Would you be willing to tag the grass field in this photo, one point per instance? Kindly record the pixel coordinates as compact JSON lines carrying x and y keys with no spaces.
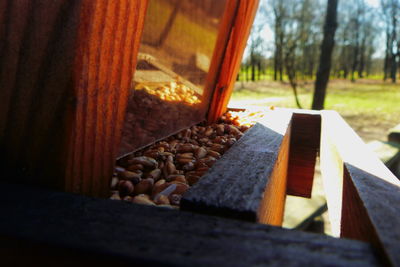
{"x":371,"y":107}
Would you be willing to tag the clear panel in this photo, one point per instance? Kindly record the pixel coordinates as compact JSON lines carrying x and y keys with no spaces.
{"x":177,"y":45}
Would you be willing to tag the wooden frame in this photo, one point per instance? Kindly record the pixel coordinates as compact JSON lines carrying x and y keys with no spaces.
{"x":368,"y":192}
{"x":77,"y":230}
{"x":274,"y":158}
{"x":66,"y":68}
{"x":234,"y":50}
{"x":362,"y":194}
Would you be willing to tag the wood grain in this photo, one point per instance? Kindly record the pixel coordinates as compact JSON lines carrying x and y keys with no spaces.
{"x":232,"y":58}
{"x":66,"y":67}
{"x":304,"y":148}
{"x":370,"y":192}
{"x":249,"y":181}
{"x":64,"y":229}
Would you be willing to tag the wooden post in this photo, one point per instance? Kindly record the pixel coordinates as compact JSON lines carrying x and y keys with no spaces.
{"x":304,"y":146}
{"x":229,"y":69}
{"x":66,"y":69}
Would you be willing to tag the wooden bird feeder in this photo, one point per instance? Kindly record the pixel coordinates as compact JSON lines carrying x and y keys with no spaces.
{"x":84,"y":83}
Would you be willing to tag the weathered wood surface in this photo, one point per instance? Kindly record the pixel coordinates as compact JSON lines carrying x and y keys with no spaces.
{"x":370,"y":209}
{"x":233,"y":52}
{"x":304,"y":147}
{"x":65,"y":71}
{"x":249,"y":181}
{"x":62,"y":229}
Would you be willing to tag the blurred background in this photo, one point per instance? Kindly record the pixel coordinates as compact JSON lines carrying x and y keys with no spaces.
{"x":283,"y":52}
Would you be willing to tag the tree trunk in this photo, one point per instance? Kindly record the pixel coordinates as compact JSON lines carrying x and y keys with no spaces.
{"x":361,"y":66}
{"x":276,"y":67}
{"x":253,"y":67}
{"x":328,"y":43}
{"x":168,"y":26}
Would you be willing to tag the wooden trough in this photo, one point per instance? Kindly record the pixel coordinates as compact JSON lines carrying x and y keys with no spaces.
{"x":65,"y":83}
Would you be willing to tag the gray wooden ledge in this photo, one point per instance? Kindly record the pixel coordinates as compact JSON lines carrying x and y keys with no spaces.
{"x":48,"y":228}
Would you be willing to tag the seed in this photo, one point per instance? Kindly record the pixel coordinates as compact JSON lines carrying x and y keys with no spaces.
{"x":125,"y":187}
{"x":167,"y":191}
{"x":230,"y":142}
{"x":200,"y":153}
{"x":220,"y":140}
{"x":209,"y":132}
{"x":119,"y":169}
{"x":170,"y":158}
{"x":185,"y":155}
{"x":169,"y":168}
{"x":140,"y":199}
{"x":204,"y":140}
{"x":144,"y":186}
{"x":159,"y":182}
{"x":173,"y":177}
{"x":114,"y":182}
{"x":162,"y":200}
{"x":220,"y":129}
{"x":173,"y":144}
{"x":159,"y":188}
{"x":218,"y":147}
{"x":202,"y":169}
{"x":127,"y":198}
{"x":180,"y":178}
{"x":188,"y":166}
{"x":214,"y":154}
{"x":233,"y":130}
{"x":184,"y":160}
{"x":180,"y":187}
{"x":115,"y":195}
{"x":145,"y":161}
{"x":192,"y":179}
{"x":155,"y":174}
{"x":127,"y":175}
{"x":185,"y":148}
{"x":152,"y":154}
{"x":145,"y":196}
{"x":135,"y":167}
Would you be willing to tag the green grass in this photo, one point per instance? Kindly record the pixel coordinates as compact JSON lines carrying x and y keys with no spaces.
{"x":370,"y":106}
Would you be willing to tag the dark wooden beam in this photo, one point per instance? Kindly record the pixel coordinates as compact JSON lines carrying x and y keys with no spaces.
{"x":65,"y":71}
{"x":249,"y":181}
{"x":362,"y":194}
{"x":51,"y":228}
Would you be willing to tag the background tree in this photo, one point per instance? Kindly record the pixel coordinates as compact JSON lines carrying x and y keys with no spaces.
{"x":328,"y":42}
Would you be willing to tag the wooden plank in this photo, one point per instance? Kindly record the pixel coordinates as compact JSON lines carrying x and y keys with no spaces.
{"x":249,"y":181}
{"x":304,"y":147}
{"x":232,"y":58}
{"x":218,"y":57}
{"x":66,"y":68}
{"x":371,"y":193}
{"x":64,"y":229}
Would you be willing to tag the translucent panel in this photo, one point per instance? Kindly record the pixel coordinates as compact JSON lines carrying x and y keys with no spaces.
{"x":176,"y":50}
